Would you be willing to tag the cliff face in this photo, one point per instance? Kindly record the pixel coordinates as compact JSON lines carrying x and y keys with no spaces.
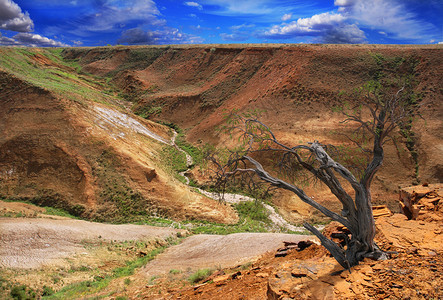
{"x":52,"y":116}
{"x":295,"y":86}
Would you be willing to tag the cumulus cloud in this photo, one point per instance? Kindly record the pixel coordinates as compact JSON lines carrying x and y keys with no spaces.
{"x":194,"y":4}
{"x":5,"y":41}
{"x":344,"y":34}
{"x":326,"y":27}
{"x":286,"y":17}
{"x":314,"y":25}
{"x":30,"y":40}
{"x":36,"y":40}
{"x":12,"y":17}
{"x":138,"y":36}
{"x":344,"y":2}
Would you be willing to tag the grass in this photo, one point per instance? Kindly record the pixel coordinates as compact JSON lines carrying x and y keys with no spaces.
{"x":253,"y":217}
{"x":200,"y":275}
{"x":63,"y":77}
{"x":58,"y":212}
{"x":42,"y":199}
{"x":118,"y":202}
{"x":175,"y":160}
{"x":100,"y":282}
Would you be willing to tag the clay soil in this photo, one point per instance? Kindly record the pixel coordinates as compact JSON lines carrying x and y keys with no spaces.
{"x":414,"y":271}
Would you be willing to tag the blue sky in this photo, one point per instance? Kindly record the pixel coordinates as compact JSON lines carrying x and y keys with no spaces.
{"x":141,"y":22}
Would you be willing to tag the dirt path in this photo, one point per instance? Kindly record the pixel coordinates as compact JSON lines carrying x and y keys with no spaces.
{"x":218,"y":251}
{"x":34,"y":242}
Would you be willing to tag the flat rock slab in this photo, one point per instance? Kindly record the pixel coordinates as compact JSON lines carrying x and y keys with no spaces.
{"x":215,"y":251}
{"x":34,"y":242}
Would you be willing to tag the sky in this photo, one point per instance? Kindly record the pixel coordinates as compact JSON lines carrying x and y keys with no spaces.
{"x":61,"y":23}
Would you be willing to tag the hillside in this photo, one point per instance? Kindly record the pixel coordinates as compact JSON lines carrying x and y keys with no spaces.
{"x":115,"y":135}
{"x":67,"y":141}
{"x":296,"y":87}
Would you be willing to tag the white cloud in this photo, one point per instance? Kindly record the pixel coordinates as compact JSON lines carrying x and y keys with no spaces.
{"x":326,"y":27}
{"x":194,"y":4}
{"x":259,"y":10}
{"x":234,"y":7}
{"x":138,"y":36}
{"x":235,"y":37}
{"x":5,"y":41}
{"x":12,"y":18}
{"x":314,"y":25}
{"x":344,"y":34}
{"x":113,"y":13}
{"x":30,"y":40}
{"x":389,"y":16}
{"x":142,"y":18}
{"x":242,"y":26}
{"x":36,"y":40}
{"x":344,"y":2}
{"x":286,"y":17}
{"x":238,"y":33}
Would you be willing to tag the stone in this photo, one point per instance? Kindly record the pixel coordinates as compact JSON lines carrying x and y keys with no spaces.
{"x":262,"y":275}
{"x":298,"y":273}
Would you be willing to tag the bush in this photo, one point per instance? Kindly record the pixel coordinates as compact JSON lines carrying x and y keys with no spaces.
{"x":200,"y":275}
{"x":47,"y":291}
{"x":253,"y":210}
{"x":22,"y":292}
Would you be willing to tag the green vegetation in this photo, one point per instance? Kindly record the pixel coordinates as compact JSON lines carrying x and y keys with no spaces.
{"x":253,"y":217}
{"x":52,"y":202}
{"x":100,"y":282}
{"x":23,"y":292}
{"x":200,"y":275}
{"x":58,"y":212}
{"x":196,"y":153}
{"x":253,"y":211}
{"x":119,"y":203}
{"x":45,"y":68}
{"x":147,"y":112}
{"x":394,"y":72}
{"x":138,"y":59}
{"x":175,"y":160}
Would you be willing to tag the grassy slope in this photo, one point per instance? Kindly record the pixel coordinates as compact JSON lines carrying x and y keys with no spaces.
{"x":46,"y":68}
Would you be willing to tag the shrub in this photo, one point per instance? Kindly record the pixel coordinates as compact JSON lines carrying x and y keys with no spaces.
{"x":200,"y":275}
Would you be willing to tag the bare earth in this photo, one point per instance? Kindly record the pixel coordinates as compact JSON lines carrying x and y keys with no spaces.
{"x":215,"y":251}
{"x":32,"y":243}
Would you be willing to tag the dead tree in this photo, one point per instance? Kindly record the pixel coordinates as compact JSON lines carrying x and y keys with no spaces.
{"x":378,"y":110}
